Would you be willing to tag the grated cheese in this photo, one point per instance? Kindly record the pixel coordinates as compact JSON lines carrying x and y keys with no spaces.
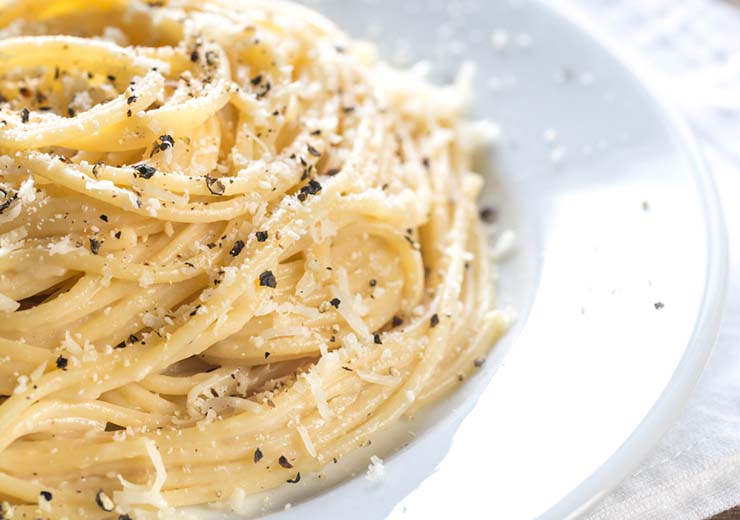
{"x":303,"y":432}
{"x":308,"y":312}
{"x":27,"y":191}
{"x":153,"y":206}
{"x":12,"y":240}
{"x":135,"y":494}
{"x":146,"y":279}
{"x":70,"y":344}
{"x":22,"y":385}
{"x":318,"y":393}
{"x":150,"y":320}
{"x":504,"y":245}
{"x":375,"y":470}
{"x":106,"y":185}
{"x":8,"y":304}
{"x":347,"y":310}
{"x":62,"y":247}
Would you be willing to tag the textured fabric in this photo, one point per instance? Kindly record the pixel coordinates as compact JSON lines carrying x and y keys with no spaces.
{"x":693,"y":46}
{"x":732,"y":514}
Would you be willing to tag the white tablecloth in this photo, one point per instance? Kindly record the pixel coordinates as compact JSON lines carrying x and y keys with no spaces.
{"x":694,"y":49}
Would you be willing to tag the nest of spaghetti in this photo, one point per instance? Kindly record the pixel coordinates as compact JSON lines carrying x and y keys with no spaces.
{"x":233,"y":248}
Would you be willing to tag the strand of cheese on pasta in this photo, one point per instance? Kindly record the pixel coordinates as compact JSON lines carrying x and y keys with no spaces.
{"x":230,"y":243}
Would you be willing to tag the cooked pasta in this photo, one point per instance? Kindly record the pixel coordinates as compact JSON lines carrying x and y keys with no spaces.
{"x":232,"y":243}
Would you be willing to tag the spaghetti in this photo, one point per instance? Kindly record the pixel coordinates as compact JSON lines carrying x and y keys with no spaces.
{"x":231,"y":243}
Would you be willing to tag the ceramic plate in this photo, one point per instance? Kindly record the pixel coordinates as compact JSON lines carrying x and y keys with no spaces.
{"x":616,"y":277}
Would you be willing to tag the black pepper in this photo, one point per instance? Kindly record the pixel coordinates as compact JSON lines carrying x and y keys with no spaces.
{"x":376,"y":339}
{"x":257,"y":455}
{"x":25,"y":115}
{"x":265,"y":90}
{"x":166,"y":142}
{"x":267,"y":279}
{"x":104,"y":502}
{"x":46,"y":495}
{"x":7,"y":202}
{"x":238,"y":246}
{"x":215,"y":186}
{"x":312,"y":188}
{"x":434,"y":320}
{"x":144,"y":171}
{"x":284,"y":462}
{"x":313,"y":151}
{"x":62,"y":362}
{"x":261,"y":236}
{"x":396,"y":321}
{"x":295,"y":480}
{"x":94,"y":246}
{"x":335,"y":302}
{"x":488,"y":215}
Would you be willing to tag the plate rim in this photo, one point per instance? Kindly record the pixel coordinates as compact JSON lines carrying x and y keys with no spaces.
{"x":673,"y":398}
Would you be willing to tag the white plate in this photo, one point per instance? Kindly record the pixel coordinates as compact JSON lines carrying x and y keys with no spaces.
{"x":593,"y":372}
